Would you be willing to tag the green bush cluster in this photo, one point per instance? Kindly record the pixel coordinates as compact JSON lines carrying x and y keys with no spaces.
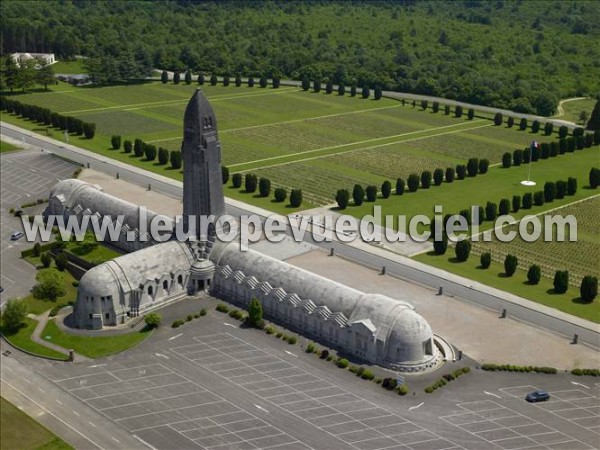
{"x":514,"y":368}
{"x":236,"y":314}
{"x":589,"y":372}
{"x":222,"y":307}
{"x":342,"y":363}
{"x":177,"y":323}
{"x":252,"y":182}
{"x":311,"y":348}
{"x":446,"y":379}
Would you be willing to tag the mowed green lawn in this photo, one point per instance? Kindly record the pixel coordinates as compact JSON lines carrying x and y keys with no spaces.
{"x":298,"y":139}
{"x":5,"y":147}
{"x":93,"y":346}
{"x":517,"y":284}
{"x":572,"y":109}
{"x":20,"y":431}
{"x":22,"y":339}
{"x":498,"y":183}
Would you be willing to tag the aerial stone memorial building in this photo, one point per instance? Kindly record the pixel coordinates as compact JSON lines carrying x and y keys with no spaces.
{"x":373,"y":327}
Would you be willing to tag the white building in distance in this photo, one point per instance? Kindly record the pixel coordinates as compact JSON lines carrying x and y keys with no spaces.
{"x":48,"y":58}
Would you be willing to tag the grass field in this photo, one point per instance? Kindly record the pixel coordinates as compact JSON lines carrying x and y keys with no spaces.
{"x":39,"y":306}
{"x":285,"y":133}
{"x":20,"y":431}
{"x":572,"y":109}
{"x":93,"y":346}
{"x":579,"y":258}
{"x":22,"y":339}
{"x":70,"y":67}
{"x":517,"y":284}
{"x":5,"y":147}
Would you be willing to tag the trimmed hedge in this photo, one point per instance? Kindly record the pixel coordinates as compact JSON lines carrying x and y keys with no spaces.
{"x":512,"y":368}
{"x":446,"y":379}
{"x":588,"y":372}
{"x":222,"y":307}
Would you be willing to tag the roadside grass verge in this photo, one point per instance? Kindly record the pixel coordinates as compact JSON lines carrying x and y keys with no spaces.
{"x":21,"y":431}
{"x":93,"y":346}
{"x":22,"y":340}
{"x":5,"y":147}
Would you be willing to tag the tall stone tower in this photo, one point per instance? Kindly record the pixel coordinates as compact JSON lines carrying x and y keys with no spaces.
{"x":201,"y":153}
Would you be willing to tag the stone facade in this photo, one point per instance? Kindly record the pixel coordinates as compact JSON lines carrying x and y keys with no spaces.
{"x":77,"y":198}
{"x":371,"y":327}
{"x":201,"y":153}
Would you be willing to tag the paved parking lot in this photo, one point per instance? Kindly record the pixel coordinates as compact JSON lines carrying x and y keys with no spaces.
{"x":580,"y":406}
{"x":504,"y":427}
{"x":211,"y":386}
{"x":170,"y":410}
{"x":29,"y":174}
{"x":24,"y":176}
{"x":355,"y":420}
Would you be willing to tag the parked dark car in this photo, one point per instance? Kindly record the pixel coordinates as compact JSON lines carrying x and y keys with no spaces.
{"x":537,"y":396}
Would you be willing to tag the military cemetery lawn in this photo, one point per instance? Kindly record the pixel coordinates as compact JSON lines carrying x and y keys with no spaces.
{"x":23,"y":432}
{"x":580,"y":258}
{"x":498,"y":183}
{"x":93,"y":346}
{"x":314,"y":141}
{"x":517,"y":284}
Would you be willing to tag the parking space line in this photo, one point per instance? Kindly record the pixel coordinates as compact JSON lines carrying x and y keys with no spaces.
{"x":216,"y":345}
{"x":151,"y":400}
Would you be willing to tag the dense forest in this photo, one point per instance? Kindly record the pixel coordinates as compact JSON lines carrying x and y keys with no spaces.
{"x":522,"y":55}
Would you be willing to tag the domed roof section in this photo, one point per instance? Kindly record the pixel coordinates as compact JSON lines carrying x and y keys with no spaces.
{"x":202,"y":267}
{"x":98,"y":281}
{"x":408,"y":328}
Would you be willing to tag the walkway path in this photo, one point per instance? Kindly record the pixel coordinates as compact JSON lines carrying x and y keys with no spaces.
{"x":559,"y":109}
{"x":36,"y":337}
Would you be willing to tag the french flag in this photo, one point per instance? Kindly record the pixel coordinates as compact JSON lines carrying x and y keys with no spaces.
{"x":534,"y":144}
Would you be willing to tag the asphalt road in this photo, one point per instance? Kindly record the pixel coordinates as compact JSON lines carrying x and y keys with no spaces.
{"x":43,"y":400}
{"x":456,"y":289}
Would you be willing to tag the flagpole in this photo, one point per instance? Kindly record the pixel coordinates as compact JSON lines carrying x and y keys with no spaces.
{"x":529,"y":168}
{"x":534,"y":145}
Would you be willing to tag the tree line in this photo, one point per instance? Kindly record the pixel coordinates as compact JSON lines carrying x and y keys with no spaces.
{"x":534,"y":53}
{"x":48,"y":117}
